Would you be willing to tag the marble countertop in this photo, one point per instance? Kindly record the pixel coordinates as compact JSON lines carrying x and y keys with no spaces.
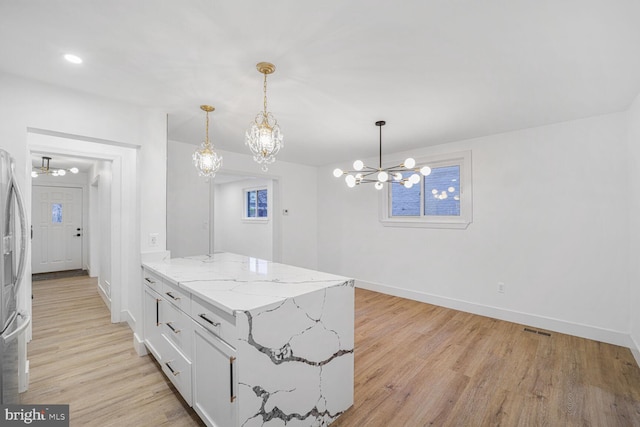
{"x":234,"y":282}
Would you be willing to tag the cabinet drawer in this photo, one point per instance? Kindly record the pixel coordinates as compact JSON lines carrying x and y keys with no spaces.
{"x":176,"y":296}
{"x":177,"y":326}
{"x":215,"y":320}
{"x":178,"y":369}
{"x":152,"y":280}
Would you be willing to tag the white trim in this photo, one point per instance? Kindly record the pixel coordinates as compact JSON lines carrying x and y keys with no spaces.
{"x":462,"y":158}
{"x":635,"y":350}
{"x":548,"y":323}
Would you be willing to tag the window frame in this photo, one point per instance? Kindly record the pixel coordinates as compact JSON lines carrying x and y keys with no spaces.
{"x":463,"y":160}
{"x":245,"y":204}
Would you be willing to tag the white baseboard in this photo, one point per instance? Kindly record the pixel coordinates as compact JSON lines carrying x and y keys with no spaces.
{"x":541,"y":322}
{"x":138,"y":345}
{"x":635,"y":350}
{"x":104,"y":296}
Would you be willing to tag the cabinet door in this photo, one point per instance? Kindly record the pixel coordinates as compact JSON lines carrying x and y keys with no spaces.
{"x":152,"y":331}
{"x":214,"y":380}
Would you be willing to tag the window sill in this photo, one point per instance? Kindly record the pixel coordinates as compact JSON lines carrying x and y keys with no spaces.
{"x":255,"y":220}
{"x":444,"y":222}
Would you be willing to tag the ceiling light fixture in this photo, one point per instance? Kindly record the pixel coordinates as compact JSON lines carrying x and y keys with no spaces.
{"x":264,"y":137}
{"x":399,"y":174}
{"x":46,"y":170}
{"x":205,"y":159}
{"x":73,"y":58}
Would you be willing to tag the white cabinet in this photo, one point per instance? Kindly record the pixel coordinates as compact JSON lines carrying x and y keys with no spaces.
{"x":215,"y":384}
{"x":199,"y":364}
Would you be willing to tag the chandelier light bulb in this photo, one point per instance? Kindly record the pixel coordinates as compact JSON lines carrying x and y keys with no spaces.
{"x":409,"y":163}
{"x":415,"y":178}
{"x":378,"y":185}
{"x":350,"y":180}
{"x":74,"y":170}
{"x":408,"y":184}
{"x":337,"y":172}
{"x":425,"y":170}
{"x":451,"y":189}
{"x":34,"y":174}
{"x":62,"y":172}
{"x":434,"y":191}
{"x":383,"y":176}
{"x":397,"y":176}
{"x":358,"y":165}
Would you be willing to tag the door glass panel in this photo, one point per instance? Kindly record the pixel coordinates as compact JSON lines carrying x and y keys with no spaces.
{"x":56,"y":213}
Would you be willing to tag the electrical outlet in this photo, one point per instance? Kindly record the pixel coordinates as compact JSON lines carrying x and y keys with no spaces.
{"x":153,"y":239}
{"x":501,"y":287}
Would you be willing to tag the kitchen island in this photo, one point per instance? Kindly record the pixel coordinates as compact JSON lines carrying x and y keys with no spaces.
{"x":248,"y":342}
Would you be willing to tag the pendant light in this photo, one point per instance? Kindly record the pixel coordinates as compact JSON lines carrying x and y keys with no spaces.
{"x":264,"y":138}
{"x":405,"y":174}
{"x":207,"y":161}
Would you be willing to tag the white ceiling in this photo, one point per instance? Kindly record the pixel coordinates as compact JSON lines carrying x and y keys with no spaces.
{"x":436,"y":71}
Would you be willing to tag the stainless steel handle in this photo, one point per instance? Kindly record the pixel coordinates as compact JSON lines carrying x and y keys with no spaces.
{"x":175,"y":331}
{"x":19,"y":329}
{"x":173,"y":297}
{"x":149,"y":281}
{"x":206,"y":319}
{"x":231,"y":395}
{"x":23,"y":229}
{"x":173,"y":371}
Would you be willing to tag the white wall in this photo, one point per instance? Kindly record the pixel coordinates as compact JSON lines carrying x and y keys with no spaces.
{"x":101,"y":174}
{"x":549,"y":220}
{"x":188,"y":200}
{"x":634,"y":224}
{"x":297,"y":190}
{"x":28,"y":104}
{"x":232,"y":233}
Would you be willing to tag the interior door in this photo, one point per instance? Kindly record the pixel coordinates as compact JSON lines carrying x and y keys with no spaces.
{"x":57,"y":229}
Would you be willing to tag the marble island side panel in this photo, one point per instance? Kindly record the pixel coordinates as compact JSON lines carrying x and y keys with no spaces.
{"x":297,"y":363}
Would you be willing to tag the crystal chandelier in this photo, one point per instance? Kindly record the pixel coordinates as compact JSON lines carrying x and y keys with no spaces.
{"x":264,"y":137}
{"x":46,"y":170}
{"x":205,"y":159}
{"x":399,"y":174}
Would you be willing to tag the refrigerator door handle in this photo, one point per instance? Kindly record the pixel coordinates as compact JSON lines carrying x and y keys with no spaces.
{"x":23,"y":229}
{"x":27,"y":320}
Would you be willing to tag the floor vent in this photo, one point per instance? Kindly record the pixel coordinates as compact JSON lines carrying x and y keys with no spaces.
{"x":546,"y":334}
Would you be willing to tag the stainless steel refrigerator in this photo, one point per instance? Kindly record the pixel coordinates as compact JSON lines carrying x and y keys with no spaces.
{"x":13,"y":238}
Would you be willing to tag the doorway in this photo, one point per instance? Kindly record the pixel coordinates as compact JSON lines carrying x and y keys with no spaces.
{"x":57,"y":229}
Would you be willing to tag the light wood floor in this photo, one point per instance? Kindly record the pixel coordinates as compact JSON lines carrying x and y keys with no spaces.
{"x":78,"y":357}
{"x":415,"y":365}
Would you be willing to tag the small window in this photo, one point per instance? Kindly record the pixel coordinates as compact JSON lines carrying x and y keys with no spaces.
{"x":256,"y":204}
{"x":441,"y":200}
{"x":56,"y":213}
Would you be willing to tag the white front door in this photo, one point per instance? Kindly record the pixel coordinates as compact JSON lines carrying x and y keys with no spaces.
{"x":57,"y":229}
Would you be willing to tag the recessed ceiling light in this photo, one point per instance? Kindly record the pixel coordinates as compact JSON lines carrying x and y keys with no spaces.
{"x":73,"y":58}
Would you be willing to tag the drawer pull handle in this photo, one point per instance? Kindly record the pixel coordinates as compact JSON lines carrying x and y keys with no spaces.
{"x":173,"y":297}
{"x":157,"y":312}
{"x":149,"y":281}
{"x":173,"y":371}
{"x":231,"y":360}
{"x":175,"y":331}
{"x":206,"y":319}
